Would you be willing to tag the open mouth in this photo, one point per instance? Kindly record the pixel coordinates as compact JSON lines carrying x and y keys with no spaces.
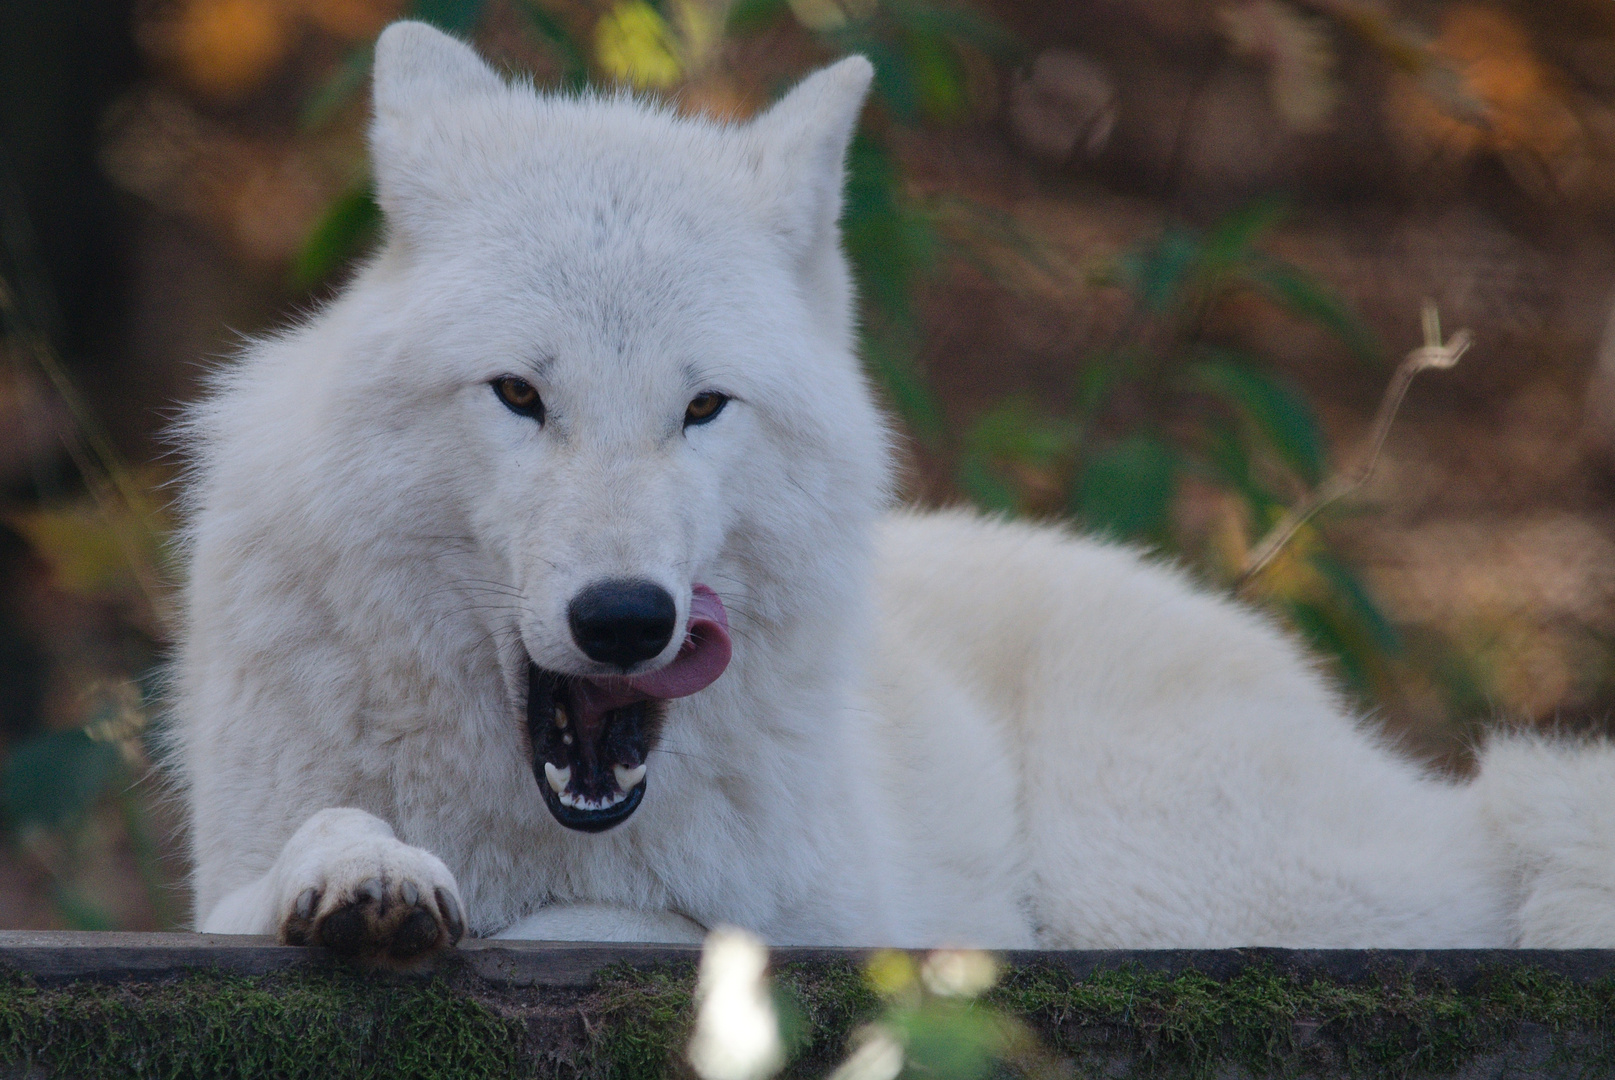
{"x":591,"y":735}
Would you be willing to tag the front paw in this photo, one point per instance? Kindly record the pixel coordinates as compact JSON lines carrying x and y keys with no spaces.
{"x":398,"y":919}
{"x":361,"y":892}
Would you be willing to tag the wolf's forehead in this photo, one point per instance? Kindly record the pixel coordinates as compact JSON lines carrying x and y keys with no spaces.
{"x":602,"y":168}
{"x":592,"y":234}
{"x":576,"y":218}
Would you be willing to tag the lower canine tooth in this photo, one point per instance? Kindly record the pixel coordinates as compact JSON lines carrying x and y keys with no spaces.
{"x":558,"y":778}
{"x":627,"y":778}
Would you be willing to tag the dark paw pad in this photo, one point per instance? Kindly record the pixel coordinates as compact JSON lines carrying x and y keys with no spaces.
{"x":378,"y":920}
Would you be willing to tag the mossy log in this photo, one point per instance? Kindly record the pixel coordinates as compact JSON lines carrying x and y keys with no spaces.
{"x":177,"y":1005}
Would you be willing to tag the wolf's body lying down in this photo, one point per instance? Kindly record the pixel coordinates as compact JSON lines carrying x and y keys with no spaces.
{"x":544,"y":583}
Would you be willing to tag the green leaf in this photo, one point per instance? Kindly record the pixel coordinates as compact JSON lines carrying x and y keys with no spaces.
{"x":1228,"y":456}
{"x":1231,"y":240}
{"x":1126,"y":490}
{"x":886,"y":243}
{"x":1353,"y":598}
{"x":1099,"y":378}
{"x":1310,"y":299}
{"x":985,"y":487}
{"x":54,"y":779}
{"x":962,"y":25}
{"x":1324,"y":630}
{"x":891,"y":361}
{"x":1013,"y":432}
{"x":454,"y":16}
{"x":1159,"y":271}
{"x":78,"y":910}
{"x":749,"y":16}
{"x":948,"y":1041}
{"x":940,"y":81}
{"x":1344,"y":622}
{"x":552,"y":32}
{"x":1016,"y":430}
{"x":894,"y":81}
{"x":349,"y":226}
{"x":339,"y":89}
{"x":1279,"y":415}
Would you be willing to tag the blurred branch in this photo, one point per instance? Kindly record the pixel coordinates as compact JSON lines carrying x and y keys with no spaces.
{"x":89,"y":447}
{"x":1432,"y":354}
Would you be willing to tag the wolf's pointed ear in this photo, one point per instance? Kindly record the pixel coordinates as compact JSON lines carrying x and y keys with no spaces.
{"x":418,"y":69}
{"x":803,"y":143}
{"x":417,"y":64}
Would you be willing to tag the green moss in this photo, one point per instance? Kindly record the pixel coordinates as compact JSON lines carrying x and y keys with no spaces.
{"x":643,"y":1021}
{"x":287,"y":1026}
{"x":1270,"y":1023}
{"x":633,"y":1024}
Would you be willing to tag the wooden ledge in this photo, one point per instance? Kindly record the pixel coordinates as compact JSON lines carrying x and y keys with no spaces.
{"x":68,"y":955}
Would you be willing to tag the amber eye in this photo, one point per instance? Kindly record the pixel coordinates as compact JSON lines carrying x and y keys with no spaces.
{"x":519,"y":396}
{"x":703,"y":407}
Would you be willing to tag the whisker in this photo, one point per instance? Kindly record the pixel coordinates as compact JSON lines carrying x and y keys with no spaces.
{"x":687,"y":755}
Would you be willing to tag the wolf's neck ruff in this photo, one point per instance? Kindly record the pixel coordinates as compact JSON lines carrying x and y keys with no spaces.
{"x":590,"y":737}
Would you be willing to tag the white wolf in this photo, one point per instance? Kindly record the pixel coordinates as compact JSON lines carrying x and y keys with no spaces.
{"x":544,"y":584}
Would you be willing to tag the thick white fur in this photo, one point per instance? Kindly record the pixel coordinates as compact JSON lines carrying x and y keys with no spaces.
{"x":935,"y":728}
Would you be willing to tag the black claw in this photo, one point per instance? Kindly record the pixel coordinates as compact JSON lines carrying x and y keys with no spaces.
{"x":299,"y":925}
{"x":450,"y":907}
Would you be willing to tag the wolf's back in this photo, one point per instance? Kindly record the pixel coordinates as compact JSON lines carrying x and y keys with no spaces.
{"x":1551,"y":804}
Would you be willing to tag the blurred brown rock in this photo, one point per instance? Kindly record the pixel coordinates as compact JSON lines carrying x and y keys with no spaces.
{"x":1065,"y":105}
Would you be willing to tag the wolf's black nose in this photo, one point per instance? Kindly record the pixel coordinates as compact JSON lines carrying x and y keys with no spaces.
{"x":622,"y":622}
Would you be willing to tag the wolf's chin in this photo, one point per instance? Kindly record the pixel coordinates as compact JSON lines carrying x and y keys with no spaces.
{"x":590,"y":737}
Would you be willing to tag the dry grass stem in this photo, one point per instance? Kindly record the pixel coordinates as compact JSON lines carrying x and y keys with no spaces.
{"x":1432,"y":354}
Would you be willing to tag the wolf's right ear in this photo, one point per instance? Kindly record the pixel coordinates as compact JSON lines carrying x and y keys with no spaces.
{"x":802,"y":152}
{"x":418,"y":70}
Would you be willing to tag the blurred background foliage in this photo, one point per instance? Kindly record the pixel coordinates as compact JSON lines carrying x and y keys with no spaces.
{"x":1140,"y":265}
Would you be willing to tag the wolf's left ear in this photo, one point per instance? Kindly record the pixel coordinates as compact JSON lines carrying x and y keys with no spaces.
{"x":802,"y":151}
{"x":418,"y":71}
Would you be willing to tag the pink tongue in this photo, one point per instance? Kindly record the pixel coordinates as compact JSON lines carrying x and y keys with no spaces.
{"x":697,"y":666}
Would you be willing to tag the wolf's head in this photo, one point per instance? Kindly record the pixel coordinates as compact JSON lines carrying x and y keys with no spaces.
{"x":596,"y":392}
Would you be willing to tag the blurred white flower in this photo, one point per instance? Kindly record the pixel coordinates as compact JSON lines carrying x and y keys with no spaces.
{"x":959,"y":972}
{"x":878,"y":1056}
{"x":736,"y":1032}
{"x":1300,"y":59}
{"x":824,"y":15}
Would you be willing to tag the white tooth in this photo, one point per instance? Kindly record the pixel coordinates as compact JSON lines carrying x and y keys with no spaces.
{"x":627,"y":778}
{"x":560,"y":716}
{"x":568,"y":799}
{"x":558,"y":778}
